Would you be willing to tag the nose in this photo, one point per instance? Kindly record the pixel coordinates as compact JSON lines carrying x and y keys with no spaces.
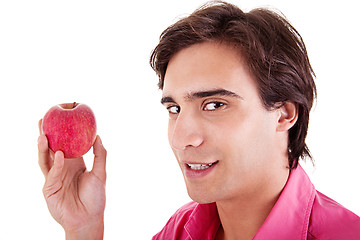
{"x":185,"y":131}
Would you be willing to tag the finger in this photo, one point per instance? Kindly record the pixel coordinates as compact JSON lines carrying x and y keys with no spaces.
{"x":99,"y":166}
{"x":53,"y":181}
{"x":40,"y":126}
{"x":45,"y":162}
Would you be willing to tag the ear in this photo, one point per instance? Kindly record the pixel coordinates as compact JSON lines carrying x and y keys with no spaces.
{"x":288,"y":115}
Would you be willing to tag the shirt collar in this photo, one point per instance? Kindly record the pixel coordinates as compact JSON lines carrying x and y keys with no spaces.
{"x":203,"y":222}
{"x":289,"y":218}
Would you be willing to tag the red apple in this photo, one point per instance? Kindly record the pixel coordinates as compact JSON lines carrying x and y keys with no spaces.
{"x":70,"y":128}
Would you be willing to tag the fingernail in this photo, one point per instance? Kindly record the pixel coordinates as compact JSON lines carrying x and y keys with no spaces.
{"x":99,"y":139}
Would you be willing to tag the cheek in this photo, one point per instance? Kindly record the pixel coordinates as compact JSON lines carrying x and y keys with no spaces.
{"x":170,"y":130}
{"x":246,"y":140}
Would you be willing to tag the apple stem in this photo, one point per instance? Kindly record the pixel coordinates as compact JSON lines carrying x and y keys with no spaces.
{"x":69,"y":105}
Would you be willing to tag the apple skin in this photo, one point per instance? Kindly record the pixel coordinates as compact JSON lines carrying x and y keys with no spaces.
{"x":70,"y":128}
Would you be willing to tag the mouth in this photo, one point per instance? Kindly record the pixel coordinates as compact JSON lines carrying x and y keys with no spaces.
{"x":198,"y":167}
{"x":198,"y":170}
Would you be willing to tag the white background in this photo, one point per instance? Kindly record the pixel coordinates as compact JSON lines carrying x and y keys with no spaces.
{"x":97,"y":52}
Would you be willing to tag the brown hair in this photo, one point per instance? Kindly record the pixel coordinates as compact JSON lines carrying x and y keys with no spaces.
{"x":274,"y":52}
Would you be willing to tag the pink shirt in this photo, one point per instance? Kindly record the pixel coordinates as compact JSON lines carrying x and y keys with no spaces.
{"x":300,"y":213}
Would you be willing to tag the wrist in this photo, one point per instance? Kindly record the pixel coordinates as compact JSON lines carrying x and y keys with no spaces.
{"x":93,"y":231}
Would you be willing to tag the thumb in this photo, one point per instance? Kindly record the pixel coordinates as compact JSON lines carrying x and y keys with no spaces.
{"x":99,"y":166}
{"x":53,"y":181}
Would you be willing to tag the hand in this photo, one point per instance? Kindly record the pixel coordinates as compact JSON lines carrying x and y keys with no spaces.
{"x":75,"y":196}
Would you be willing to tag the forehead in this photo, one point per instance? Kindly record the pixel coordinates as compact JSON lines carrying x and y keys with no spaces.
{"x":206,"y":66}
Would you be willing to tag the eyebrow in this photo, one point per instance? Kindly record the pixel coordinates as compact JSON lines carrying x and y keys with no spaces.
{"x":203,"y":94}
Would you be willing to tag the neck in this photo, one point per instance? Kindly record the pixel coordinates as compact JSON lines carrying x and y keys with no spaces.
{"x":242,"y":217}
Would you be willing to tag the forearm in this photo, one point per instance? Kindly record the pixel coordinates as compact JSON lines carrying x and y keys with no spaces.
{"x":92,"y":232}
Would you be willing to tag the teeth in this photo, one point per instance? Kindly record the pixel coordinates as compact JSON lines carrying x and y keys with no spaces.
{"x":199,"y":166}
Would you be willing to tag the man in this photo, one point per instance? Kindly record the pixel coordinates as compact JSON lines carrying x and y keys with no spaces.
{"x":238,"y":88}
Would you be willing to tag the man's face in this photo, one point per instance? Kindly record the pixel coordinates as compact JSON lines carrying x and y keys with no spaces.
{"x":224,"y":140}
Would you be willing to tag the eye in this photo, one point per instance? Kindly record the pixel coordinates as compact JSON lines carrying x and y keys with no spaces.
{"x":173,"y":109}
{"x":212,"y":106}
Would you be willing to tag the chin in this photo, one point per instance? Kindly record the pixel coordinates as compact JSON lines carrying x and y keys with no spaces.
{"x":201,"y":197}
{"x":202,"y":200}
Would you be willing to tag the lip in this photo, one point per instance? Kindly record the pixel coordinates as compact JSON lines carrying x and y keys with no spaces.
{"x":191,"y":173}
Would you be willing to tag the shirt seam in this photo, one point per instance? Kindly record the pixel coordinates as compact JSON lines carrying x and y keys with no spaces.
{"x":308,"y":213}
{"x":315,"y":238}
{"x":190,"y":218}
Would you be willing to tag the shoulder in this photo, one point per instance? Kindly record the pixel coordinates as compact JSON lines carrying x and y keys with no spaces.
{"x":174,"y":228}
{"x":330,"y":220}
